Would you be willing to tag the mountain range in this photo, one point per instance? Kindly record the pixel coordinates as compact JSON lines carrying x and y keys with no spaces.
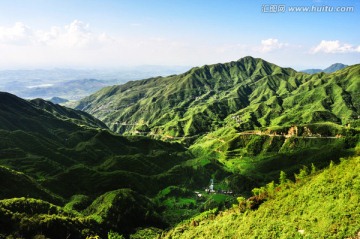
{"x":330,"y":69}
{"x":134,"y":160}
{"x":249,"y":93}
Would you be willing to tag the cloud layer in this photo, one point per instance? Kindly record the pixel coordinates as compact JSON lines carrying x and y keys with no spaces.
{"x":18,"y":34}
{"x":335,"y":47}
{"x":76,"y":34}
{"x":77,"y":45}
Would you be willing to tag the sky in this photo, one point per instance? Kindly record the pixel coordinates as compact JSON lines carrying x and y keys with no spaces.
{"x":115,"y":33}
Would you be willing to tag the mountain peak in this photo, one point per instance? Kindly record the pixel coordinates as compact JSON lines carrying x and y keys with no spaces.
{"x":180,"y":105}
{"x":249,"y":58}
{"x":334,"y":67}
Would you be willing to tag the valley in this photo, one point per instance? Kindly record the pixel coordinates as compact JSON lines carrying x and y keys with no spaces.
{"x":137,"y":160}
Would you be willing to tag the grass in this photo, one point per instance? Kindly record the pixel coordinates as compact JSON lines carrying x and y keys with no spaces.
{"x":322,"y":205}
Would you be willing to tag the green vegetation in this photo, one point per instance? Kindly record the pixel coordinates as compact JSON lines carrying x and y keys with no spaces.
{"x":75,"y":116}
{"x":259,"y":156}
{"x":179,"y":204}
{"x":249,"y":93}
{"x":64,"y":157}
{"x":28,"y":218}
{"x":265,"y":135}
{"x":124,"y":209}
{"x":322,"y":205}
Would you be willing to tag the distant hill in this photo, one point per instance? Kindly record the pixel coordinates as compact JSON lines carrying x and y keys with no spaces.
{"x":249,"y":93}
{"x":334,"y":67}
{"x":58,"y":100}
{"x":74,"y":89}
{"x":312,"y":71}
{"x":330,"y":69}
{"x":74,"y":84}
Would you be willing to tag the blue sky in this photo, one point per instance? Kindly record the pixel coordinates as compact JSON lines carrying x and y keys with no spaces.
{"x":114,"y":33}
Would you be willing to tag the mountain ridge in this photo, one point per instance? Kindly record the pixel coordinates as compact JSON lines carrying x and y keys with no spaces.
{"x":334,"y":67}
{"x":241,"y":124}
{"x":258,"y":93}
{"x":58,"y":155}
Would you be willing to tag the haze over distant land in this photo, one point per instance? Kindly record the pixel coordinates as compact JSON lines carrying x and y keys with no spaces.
{"x":74,"y":84}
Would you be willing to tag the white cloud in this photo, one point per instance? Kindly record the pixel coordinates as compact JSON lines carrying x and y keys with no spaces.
{"x":76,"y":34}
{"x":77,"y":45}
{"x":19,"y":34}
{"x":270,"y":45}
{"x":335,"y":47}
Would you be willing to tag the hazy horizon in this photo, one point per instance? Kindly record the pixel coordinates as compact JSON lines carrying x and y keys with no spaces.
{"x":39,"y":34}
{"x":178,"y":68}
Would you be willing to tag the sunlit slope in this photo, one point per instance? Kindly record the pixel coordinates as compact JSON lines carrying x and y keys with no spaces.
{"x":250,"y":93}
{"x":323,"y":205}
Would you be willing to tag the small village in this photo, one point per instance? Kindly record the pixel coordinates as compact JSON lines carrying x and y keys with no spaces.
{"x":211,"y":190}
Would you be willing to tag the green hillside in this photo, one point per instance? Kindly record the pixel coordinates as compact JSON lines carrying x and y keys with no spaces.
{"x":249,"y":93}
{"x":262,"y":154}
{"x":56,"y":148}
{"x":76,"y":116}
{"x":15,"y":184}
{"x":238,"y":125}
{"x":34,"y":218}
{"x":66,"y":157}
{"x":322,"y":205}
{"x":135,"y":210}
{"x":40,"y":117}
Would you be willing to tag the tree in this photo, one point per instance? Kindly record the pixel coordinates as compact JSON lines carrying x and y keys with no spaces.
{"x":242,"y":203}
{"x":270,"y":189}
{"x":313,"y":169}
{"x":115,"y":235}
{"x":282,"y":178}
{"x":302,"y":174}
